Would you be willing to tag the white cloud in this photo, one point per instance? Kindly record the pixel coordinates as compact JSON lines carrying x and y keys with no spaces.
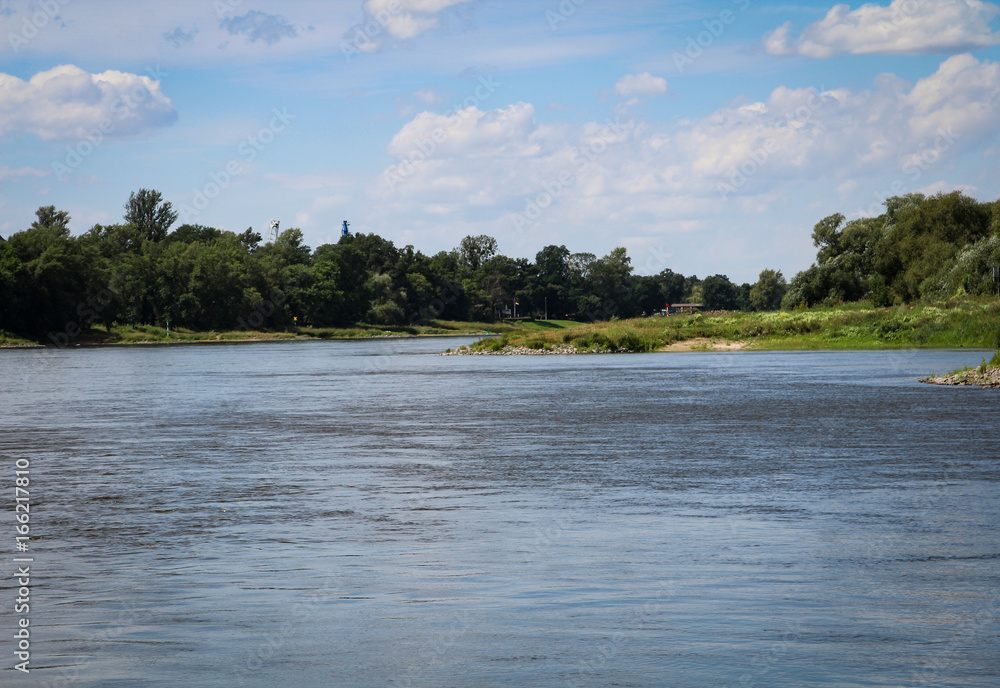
{"x":505,"y":132}
{"x":947,"y":187}
{"x":67,"y":102}
{"x":405,"y":19}
{"x":7,"y":173}
{"x":904,"y":27}
{"x":644,"y":84}
{"x":478,"y":166}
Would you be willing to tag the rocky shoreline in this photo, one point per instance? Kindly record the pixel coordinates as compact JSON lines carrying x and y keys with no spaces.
{"x":987,"y":379}
{"x":558,"y":350}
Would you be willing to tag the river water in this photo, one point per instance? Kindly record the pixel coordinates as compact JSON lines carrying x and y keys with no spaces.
{"x":371,"y":514}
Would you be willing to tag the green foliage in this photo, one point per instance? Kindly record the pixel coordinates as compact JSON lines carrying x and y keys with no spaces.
{"x":921,"y":247}
{"x":719,"y":294}
{"x":55,"y":286}
{"x":767,"y":293}
{"x":972,"y":322}
{"x":152,"y":217}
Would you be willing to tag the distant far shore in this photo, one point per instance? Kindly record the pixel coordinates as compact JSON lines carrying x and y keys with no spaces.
{"x":147,"y":335}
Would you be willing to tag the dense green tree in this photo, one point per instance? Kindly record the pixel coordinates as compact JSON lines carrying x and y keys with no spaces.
{"x":719,"y":294}
{"x":190,"y":233}
{"x":672,"y":286}
{"x":473,"y":251}
{"x":150,"y":214}
{"x":767,"y":293}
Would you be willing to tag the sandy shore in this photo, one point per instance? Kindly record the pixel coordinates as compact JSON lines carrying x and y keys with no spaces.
{"x":704,"y":344}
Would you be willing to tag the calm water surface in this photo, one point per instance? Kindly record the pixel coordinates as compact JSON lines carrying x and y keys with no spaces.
{"x":371,"y":514}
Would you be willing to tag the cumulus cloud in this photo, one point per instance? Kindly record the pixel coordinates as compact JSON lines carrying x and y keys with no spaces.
{"x":644,"y":84}
{"x":259,"y":26}
{"x":405,"y":19}
{"x":476,"y":162}
{"x":469,"y":132}
{"x":904,"y":27}
{"x":67,"y":102}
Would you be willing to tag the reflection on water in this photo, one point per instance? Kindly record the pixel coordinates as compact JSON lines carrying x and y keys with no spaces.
{"x":370,"y":514}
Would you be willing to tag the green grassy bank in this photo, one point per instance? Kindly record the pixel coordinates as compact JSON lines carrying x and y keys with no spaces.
{"x":967,"y":322}
{"x":151,"y":334}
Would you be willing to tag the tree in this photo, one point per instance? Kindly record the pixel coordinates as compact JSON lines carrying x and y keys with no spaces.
{"x":149,"y":215}
{"x":826,"y":236}
{"x":191,"y":233}
{"x":719,"y":294}
{"x":767,"y":293}
{"x":250,"y":239}
{"x":474,"y":251}
{"x":48,"y":217}
{"x":609,"y":279}
{"x":553,"y":274}
{"x":672,"y":286}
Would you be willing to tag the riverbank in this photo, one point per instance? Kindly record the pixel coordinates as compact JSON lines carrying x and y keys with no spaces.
{"x":969,"y":322}
{"x":128,"y":335}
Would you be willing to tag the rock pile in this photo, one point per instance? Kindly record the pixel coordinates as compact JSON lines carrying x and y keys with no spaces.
{"x":515,"y":351}
{"x":990,"y":378}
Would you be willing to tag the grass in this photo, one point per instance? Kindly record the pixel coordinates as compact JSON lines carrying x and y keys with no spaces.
{"x":972,"y":322}
{"x":8,"y":339}
{"x":145,"y":334}
{"x":967,"y":322}
{"x":982,"y":368}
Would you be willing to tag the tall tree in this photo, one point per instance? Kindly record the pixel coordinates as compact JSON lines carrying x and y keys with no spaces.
{"x":476,"y":250}
{"x":767,"y":293}
{"x":150,"y":214}
{"x":48,"y":217}
{"x":719,"y":294}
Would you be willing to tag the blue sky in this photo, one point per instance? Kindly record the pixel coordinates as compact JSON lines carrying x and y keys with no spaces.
{"x":707,"y":137}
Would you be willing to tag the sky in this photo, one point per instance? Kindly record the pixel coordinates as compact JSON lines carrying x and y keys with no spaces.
{"x":707,"y":137}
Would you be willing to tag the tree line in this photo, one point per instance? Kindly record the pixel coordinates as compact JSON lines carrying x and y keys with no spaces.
{"x":144,"y":271}
{"x":921,"y":247}
{"x":141,"y":271}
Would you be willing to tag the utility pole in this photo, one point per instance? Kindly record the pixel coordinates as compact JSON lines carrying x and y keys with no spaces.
{"x":546,"y":307}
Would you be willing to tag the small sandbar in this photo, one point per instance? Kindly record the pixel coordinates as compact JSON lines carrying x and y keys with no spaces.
{"x":704,"y":344}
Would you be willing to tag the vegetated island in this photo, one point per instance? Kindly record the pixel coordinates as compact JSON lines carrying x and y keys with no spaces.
{"x":965,"y":322}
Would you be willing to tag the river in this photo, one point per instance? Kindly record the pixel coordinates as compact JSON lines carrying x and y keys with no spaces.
{"x":371,"y":514}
